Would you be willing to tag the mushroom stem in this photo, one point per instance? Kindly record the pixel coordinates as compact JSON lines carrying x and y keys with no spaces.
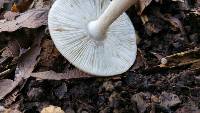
{"x":97,"y":29}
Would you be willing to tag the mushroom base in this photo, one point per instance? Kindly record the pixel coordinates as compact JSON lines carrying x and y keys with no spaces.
{"x":96,"y":31}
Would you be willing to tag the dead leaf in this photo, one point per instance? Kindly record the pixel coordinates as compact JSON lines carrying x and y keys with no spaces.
{"x":169,"y":99}
{"x":30,"y":19}
{"x":144,"y":19}
{"x":4,"y":73}
{"x":2,"y":109}
{"x":29,"y":60}
{"x":142,"y":4}
{"x":178,"y":0}
{"x":24,"y":68}
{"x":142,"y":101}
{"x":190,"y":57}
{"x":1,"y":3}
{"x":51,"y":75}
{"x":41,"y":4}
{"x":6,"y":53}
{"x":188,"y":109}
{"x":152,"y":28}
{"x":140,"y":61}
{"x":23,"y":5}
{"x":10,"y":15}
{"x":14,"y":8}
{"x":52,"y":109}
{"x":196,"y":11}
{"x":11,"y":98}
{"x":175,"y":22}
{"x":6,"y":86}
{"x":2,"y":60}
{"x":11,"y":111}
{"x":12,"y":50}
{"x":48,"y":54}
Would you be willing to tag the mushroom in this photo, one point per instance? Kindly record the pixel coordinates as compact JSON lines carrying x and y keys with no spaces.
{"x":94,"y":35}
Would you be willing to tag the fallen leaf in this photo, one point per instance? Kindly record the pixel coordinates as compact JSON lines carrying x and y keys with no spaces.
{"x":140,"y":61}
{"x":152,"y":28}
{"x":2,"y":108}
{"x":30,"y":19}
{"x":169,"y":99}
{"x":41,"y":4}
{"x":188,"y":109}
{"x":4,"y":73}
{"x":11,"y":111}
{"x":23,"y":5}
{"x":52,"y":109}
{"x":29,"y":59}
{"x":142,"y":4}
{"x":14,"y":8}
{"x":190,"y":57}
{"x":24,"y":68}
{"x":9,"y":15}
{"x":142,"y":101}
{"x":196,"y":11}
{"x":175,"y":22}
{"x":1,"y":3}
{"x":12,"y":50}
{"x":144,"y":19}
{"x":51,"y":75}
{"x":178,"y":0}
{"x":48,"y":54}
{"x":6,"y":86}
{"x":11,"y":98}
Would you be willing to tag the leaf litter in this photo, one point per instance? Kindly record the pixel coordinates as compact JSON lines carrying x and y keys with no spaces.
{"x":165,"y":77}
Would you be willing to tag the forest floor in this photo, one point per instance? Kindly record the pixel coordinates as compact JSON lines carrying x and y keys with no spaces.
{"x":164,"y":79}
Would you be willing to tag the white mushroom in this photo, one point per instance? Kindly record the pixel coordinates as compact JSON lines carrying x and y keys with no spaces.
{"x":94,"y":35}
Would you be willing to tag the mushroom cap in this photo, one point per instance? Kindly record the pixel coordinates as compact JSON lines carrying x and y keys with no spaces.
{"x":68,"y":25}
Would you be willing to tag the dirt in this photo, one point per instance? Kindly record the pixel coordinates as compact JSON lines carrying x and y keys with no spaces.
{"x":147,"y":88}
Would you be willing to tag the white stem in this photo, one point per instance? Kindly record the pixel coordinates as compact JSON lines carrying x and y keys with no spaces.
{"x":97,"y":29}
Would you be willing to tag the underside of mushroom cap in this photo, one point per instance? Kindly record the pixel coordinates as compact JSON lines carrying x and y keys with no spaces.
{"x":68,"y":21}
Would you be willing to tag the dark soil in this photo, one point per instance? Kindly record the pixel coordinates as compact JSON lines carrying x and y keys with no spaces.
{"x":119,"y":94}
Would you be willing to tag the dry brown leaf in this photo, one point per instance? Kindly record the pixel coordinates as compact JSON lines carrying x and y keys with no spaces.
{"x":9,"y":15}
{"x":23,"y":5}
{"x":142,"y":101}
{"x":52,"y":109}
{"x":190,"y":57}
{"x":142,"y":4}
{"x":41,"y":4}
{"x":178,"y":0}
{"x":11,"y":111}
{"x":24,"y":68}
{"x":1,"y":3}
{"x":152,"y":28}
{"x":51,"y":75}
{"x":6,"y":86}
{"x":29,"y":59}
{"x":14,"y":8}
{"x":12,"y":50}
{"x":169,"y":99}
{"x":30,"y":19}
{"x":175,"y":22}
{"x":196,"y":11}
{"x":188,"y":109}
{"x":48,"y":54}
{"x":140,"y":61}
{"x":11,"y":98}
{"x":144,"y":19}
{"x":4,"y":73}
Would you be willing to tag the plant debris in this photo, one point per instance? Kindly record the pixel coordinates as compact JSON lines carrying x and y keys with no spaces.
{"x":36,"y":78}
